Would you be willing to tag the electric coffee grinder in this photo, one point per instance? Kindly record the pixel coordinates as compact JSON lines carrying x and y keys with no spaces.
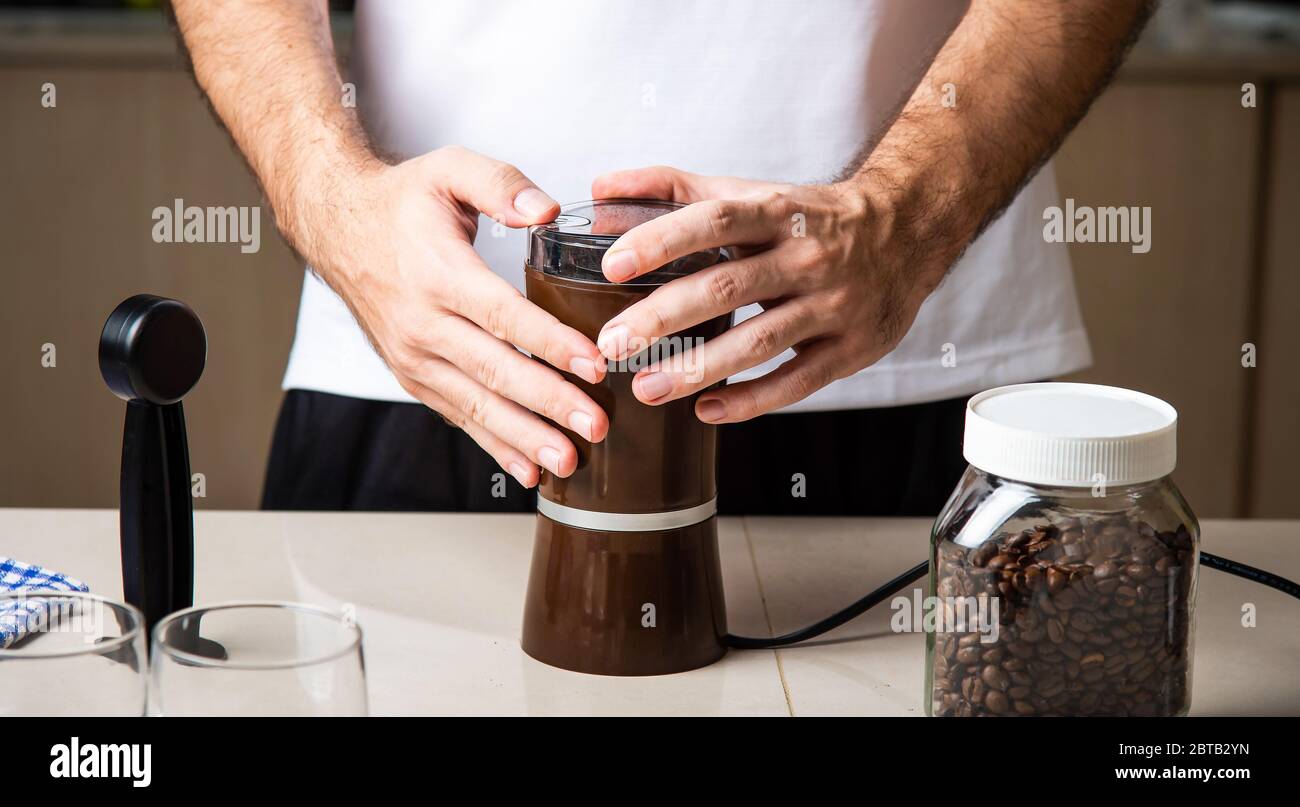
{"x":625,"y":576}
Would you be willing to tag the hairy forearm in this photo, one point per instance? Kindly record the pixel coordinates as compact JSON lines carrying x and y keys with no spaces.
{"x":1011,"y":81}
{"x":269,"y":72}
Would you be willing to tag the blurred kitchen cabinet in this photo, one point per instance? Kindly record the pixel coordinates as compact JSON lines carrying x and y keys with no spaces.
{"x":1172,"y":321}
{"x":1274,"y":489}
{"x":80,"y":183}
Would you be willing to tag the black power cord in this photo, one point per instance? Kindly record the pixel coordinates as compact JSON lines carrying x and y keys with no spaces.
{"x":836,"y":619}
{"x":1251,"y":573}
{"x":919,"y":570}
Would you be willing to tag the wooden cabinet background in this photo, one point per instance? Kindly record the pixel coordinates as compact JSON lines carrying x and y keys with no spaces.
{"x":1172,"y":321}
{"x":79,"y":182}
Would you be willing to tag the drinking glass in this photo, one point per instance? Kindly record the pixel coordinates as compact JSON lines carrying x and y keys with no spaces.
{"x":81,"y":655}
{"x":258,"y":658}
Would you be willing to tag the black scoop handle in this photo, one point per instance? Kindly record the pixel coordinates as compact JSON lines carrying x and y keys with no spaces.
{"x":157,"y":517}
{"x":151,"y":353}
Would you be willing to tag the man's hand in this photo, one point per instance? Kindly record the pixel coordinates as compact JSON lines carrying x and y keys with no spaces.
{"x":815,"y":257}
{"x":396,"y":243}
{"x":842,"y":269}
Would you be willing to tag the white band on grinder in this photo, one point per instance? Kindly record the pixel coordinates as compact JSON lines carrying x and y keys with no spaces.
{"x":626,"y":522}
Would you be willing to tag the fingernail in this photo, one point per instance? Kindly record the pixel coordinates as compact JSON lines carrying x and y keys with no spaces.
{"x":533,"y":204}
{"x":711,"y":409}
{"x":585,"y":369}
{"x":620,"y":265}
{"x":519,"y":472}
{"x":550,"y":459}
{"x":654,"y":386}
{"x":613,"y":341}
{"x":580,"y":422}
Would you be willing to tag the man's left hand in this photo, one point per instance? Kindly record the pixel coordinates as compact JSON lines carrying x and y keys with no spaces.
{"x":834,"y":284}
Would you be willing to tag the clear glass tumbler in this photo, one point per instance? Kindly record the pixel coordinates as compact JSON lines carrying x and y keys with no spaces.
{"x":258,"y":658}
{"x":79,"y":655}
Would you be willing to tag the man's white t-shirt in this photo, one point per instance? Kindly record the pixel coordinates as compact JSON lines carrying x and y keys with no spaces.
{"x":781,"y":91}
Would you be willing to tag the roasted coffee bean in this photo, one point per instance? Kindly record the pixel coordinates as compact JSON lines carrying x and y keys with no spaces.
{"x":1083,"y":621}
{"x":1000,"y":561}
{"x":1034,"y":578}
{"x":1066,"y":599}
{"x":1020,"y":649}
{"x":982,"y":554}
{"x":1020,"y":581}
{"x":1094,"y":616}
{"x":1055,"y":631}
{"x":996,"y":678}
{"x":1056,"y":579}
{"x":1137,"y":571}
{"x":969,"y":655}
{"x":997,"y":703}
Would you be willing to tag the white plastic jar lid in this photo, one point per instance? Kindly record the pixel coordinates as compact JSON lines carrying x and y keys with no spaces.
{"x":1071,"y":435}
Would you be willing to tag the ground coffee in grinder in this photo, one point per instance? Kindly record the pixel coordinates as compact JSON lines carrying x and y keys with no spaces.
{"x":625,"y":576}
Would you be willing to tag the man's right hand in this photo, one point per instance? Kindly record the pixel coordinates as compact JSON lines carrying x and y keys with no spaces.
{"x":396,"y":243}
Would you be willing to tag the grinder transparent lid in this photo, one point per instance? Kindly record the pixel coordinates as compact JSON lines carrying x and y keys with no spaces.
{"x":573,"y":245}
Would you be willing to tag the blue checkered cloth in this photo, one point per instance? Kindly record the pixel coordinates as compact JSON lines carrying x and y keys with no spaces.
{"x":18,"y":617}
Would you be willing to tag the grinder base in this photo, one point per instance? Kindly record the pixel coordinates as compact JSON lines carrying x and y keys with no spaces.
{"x":625,"y":603}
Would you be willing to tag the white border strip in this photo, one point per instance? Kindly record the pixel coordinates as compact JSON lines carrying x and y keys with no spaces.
{"x":626,"y":522}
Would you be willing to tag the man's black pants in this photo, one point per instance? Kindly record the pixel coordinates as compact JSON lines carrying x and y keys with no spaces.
{"x":332,"y":452}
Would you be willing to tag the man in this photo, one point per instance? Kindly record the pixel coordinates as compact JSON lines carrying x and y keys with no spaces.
{"x":889,"y":217}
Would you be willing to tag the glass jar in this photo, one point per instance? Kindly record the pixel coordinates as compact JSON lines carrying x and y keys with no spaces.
{"x":1064,"y":565}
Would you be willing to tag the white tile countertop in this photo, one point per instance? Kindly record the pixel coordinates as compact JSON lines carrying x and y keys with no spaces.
{"x":440,"y":598}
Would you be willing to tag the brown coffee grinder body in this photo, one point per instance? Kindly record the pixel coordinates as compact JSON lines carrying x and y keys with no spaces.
{"x":625,"y":575}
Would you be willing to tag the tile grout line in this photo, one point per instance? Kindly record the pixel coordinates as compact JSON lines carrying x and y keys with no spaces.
{"x":785,"y":685}
{"x":767,"y":616}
